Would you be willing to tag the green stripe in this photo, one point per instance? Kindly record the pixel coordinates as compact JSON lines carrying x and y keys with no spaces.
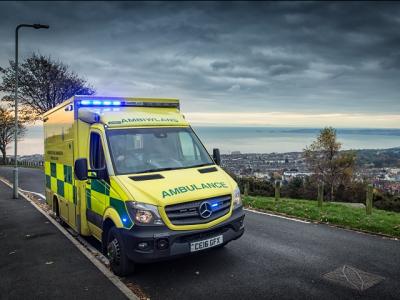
{"x":121,"y":209}
{"x":97,"y":186}
{"x":88,"y":199}
{"x":60,"y":187}
{"x":68,"y":174}
{"x":53,"y":170}
{"x":100,"y":186}
{"x":48,"y":181}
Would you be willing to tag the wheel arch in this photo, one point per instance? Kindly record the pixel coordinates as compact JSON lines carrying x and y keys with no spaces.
{"x":56,"y":205}
{"x":112,"y":214}
{"x":110,"y":219}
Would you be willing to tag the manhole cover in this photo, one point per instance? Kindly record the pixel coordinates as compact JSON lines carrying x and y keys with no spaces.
{"x":353,"y":278}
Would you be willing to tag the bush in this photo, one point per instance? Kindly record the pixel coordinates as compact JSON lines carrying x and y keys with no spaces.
{"x":307,"y":188}
{"x":387,"y":202}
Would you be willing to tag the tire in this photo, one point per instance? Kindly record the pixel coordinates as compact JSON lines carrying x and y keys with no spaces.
{"x":116,"y":253}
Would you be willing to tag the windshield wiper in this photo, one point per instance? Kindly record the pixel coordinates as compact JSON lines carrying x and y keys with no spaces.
{"x":177,"y":168}
{"x":158,"y":170}
{"x":202,"y":165}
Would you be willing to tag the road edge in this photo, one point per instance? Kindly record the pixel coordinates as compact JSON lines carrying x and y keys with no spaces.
{"x":309,"y":221}
{"x":113,"y":278}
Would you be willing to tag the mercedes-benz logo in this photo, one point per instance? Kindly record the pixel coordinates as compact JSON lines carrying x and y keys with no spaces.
{"x":205,"y":210}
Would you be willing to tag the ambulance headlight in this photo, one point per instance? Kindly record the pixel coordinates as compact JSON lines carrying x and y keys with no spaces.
{"x":237,"y":200}
{"x":143,"y":213}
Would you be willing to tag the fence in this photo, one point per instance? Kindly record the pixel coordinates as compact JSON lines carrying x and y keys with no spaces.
{"x":23,"y":163}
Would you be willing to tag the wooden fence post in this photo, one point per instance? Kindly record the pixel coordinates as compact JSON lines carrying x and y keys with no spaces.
{"x":246,"y":188}
{"x":277,"y":190}
{"x":370,"y":195}
{"x":320,"y":193}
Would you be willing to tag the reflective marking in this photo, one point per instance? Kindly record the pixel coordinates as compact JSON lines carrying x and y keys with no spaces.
{"x":37,"y":194}
{"x":278,"y":216}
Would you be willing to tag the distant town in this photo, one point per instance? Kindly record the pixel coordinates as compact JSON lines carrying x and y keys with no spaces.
{"x":379,"y":167}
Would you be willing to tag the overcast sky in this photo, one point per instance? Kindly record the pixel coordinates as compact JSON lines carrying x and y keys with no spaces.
{"x":303,"y":63}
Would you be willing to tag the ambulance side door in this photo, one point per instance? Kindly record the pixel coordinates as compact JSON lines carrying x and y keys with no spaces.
{"x":98,"y":188}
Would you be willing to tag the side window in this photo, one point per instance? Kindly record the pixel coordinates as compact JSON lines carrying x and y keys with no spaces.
{"x":97,"y":159}
{"x":189,"y":150}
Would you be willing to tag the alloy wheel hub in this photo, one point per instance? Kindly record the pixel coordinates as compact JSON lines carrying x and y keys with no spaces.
{"x":114,"y":251}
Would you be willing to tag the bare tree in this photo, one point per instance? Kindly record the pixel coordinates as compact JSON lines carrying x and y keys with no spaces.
{"x":7,"y":129}
{"x":329,"y":164}
{"x":43,"y":83}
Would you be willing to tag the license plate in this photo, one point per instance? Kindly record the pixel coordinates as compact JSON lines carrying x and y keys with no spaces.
{"x":208,"y":243}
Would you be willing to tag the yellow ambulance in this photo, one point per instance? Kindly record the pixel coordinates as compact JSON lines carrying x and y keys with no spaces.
{"x":132,"y":173}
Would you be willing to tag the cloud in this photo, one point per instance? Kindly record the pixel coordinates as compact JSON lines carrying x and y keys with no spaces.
{"x":220,"y":65}
{"x":235,"y":57}
{"x":282,"y":119}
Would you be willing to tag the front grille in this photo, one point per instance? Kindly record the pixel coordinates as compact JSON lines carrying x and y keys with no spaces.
{"x":188,"y":213}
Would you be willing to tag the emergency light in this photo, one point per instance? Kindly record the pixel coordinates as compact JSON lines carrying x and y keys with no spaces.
{"x":97,"y":102}
{"x":101,"y":103}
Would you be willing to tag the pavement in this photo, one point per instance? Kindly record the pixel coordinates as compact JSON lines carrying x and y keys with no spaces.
{"x":38,"y":262}
{"x":275,"y":258}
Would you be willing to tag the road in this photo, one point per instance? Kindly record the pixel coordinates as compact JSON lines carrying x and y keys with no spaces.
{"x":275,"y":258}
{"x":30,"y":179}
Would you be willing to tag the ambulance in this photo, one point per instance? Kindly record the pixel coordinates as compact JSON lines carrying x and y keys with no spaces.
{"x":132,"y":173}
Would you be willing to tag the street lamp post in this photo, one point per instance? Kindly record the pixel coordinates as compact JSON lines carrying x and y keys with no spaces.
{"x":35,"y":26}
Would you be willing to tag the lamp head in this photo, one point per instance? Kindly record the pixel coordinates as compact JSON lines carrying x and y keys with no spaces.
{"x":40,"y":26}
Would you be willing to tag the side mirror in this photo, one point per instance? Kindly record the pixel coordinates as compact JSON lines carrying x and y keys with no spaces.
{"x":217,"y":156}
{"x":81,"y":169}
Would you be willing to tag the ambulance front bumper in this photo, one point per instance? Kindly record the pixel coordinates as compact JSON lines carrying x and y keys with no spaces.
{"x":148,"y":244}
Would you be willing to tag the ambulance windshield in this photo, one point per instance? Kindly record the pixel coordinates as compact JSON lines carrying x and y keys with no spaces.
{"x":141,"y":150}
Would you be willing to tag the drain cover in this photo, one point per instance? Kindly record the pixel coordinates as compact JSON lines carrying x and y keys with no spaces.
{"x":353,"y":278}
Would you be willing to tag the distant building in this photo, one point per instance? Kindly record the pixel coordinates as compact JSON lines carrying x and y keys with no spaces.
{"x":288,"y":175}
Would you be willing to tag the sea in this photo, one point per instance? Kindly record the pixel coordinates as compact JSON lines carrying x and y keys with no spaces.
{"x":289,"y":139}
{"x":255,"y":139}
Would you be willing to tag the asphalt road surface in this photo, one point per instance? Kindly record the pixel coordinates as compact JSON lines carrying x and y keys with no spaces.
{"x":275,"y":258}
{"x":30,"y":179}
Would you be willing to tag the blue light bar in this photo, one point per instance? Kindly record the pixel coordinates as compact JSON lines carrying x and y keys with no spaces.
{"x":101,"y":103}
{"x":118,"y":103}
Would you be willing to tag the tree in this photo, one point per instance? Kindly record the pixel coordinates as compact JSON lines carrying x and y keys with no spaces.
{"x":328,"y":163}
{"x":43,"y":83}
{"x":294,"y":189}
{"x":7,"y":129}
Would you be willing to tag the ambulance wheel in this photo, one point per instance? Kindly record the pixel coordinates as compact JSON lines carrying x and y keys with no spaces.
{"x":116,"y":253}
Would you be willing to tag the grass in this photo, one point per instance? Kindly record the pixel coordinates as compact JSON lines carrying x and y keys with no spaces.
{"x":380,"y":221}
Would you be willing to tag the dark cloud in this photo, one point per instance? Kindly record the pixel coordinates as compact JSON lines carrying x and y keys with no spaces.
{"x":220,"y":65}
{"x":269,"y":56}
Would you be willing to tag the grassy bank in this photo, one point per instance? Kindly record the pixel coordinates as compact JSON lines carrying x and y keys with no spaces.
{"x":379,"y":221}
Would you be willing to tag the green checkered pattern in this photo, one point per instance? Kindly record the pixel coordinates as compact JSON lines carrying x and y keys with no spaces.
{"x":59,"y":179}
